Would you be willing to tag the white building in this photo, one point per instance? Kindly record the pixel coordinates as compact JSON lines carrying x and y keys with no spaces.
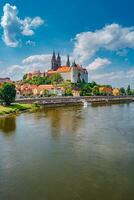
{"x":74,"y":73}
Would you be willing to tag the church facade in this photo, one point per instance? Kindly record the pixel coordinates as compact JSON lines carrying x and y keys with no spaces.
{"x":69,"y":72}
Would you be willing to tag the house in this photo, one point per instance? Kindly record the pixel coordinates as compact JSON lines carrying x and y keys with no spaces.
{"x":34,"y":90}
{"x":105,"y":90}
{"x":116,"y":92}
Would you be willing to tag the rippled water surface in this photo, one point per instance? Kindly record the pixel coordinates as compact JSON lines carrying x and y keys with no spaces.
{"x":70,"y":153}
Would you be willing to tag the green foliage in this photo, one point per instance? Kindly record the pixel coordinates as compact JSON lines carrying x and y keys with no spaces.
{"x":95,"y":90}
{"x":68,"y":92}
{"x":56,"y":78}
{"x":25,"y":77}
{"x":8,"y":93}
{"x":37,"y":80}
{"x":122,"y":91}
{"x":86,"y":90}
{"x":128,"y":91}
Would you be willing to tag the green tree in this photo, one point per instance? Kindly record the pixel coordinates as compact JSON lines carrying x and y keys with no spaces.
{"x":8,"y":93}
{"x":68,"y":92}
{"x":25,"y":77}
{"x":122,"y":91}
{"x":128,"y":90}
{"x":95,"y":90}
{"x":85,"y":90}
{"x":56,"y":78}
{"x":92,"y":84}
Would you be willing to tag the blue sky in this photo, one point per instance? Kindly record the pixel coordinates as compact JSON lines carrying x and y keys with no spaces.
{"x":99,"y":34}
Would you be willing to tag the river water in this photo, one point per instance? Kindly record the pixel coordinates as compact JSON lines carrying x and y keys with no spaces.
{"x":70,"y":153}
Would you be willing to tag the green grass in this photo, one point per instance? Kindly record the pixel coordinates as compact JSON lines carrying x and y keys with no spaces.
{"x":15,"y":108}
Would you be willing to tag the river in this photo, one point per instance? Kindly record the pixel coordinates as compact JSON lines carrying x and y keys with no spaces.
{"x":70,"y":153}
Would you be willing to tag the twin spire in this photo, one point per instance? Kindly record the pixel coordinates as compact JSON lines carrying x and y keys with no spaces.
{"x":56,"y":61}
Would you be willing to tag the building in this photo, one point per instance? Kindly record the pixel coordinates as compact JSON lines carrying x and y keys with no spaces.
{"x":34,"y":90}
{"x":35,"y":73}
{"x":116,"y":92}
{"x":105,"y":90}
{"x":73,"y":73}
{"x":3,"y":80}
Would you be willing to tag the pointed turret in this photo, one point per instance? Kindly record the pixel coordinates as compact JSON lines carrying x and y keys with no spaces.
{"x":68,"y":61}
{"x":74,"y":64}
{"x":58,"y":60}
{"x":53,"y":61}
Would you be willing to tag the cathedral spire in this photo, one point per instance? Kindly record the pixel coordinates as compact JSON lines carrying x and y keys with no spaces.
{"x":68,"y":61}
{"x":53,"y":61}
{"x":53,"y":55}
{"x":74,"y":64}
{"x":58,"y":60}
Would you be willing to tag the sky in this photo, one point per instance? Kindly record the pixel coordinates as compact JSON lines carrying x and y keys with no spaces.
{"x":98,"y":34}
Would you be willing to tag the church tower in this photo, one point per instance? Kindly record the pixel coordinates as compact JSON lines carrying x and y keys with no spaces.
{"x":68,"y":61}
{"x":53,"y":61}
{"x":58,"y":60}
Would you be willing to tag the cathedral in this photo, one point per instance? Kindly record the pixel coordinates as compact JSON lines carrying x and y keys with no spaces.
{"x":69,"y":72}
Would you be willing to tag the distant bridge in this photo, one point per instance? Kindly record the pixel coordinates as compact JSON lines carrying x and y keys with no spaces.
{"x":75,"y":100}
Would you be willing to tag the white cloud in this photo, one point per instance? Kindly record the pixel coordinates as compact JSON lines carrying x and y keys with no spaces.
{"x":98,"y":63}
{"x":118,"y":78}
{"x":112,"y":37}
{"x":30,"y":24}
{"x":14,"y":27}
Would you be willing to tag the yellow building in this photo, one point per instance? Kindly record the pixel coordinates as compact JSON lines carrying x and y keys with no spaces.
{"x":116,"y":92}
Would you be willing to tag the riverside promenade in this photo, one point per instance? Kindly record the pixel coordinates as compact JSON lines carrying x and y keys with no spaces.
{"x":46,"y":101}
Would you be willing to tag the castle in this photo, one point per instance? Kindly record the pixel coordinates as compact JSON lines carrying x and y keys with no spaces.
{"x":73,"y":73}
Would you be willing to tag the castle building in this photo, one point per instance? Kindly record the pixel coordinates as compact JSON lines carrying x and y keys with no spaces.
{"x":73,"y":73}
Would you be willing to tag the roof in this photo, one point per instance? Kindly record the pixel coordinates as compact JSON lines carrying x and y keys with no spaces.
{"x":49,"y":87}
{"x":63,"y":69}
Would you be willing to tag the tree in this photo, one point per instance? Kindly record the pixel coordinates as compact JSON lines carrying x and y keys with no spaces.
{"x":25,"y":77}
{"x":8,"y":93}
{"x":122,"y":91}
{"x":95,"y":90}
{"x":85,"y":90}
{"x":56,"y":78}
{"x":128,"y":90}
{"x":68,"y":92}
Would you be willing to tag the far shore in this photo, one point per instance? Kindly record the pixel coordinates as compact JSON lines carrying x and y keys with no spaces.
{"x":32,"y":105}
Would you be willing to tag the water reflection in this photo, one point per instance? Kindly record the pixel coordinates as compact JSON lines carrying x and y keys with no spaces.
{"x":64,"y":119}
{"x":8,"y":124}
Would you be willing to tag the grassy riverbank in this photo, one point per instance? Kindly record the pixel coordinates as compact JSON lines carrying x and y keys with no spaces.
{"x":16,"y":108}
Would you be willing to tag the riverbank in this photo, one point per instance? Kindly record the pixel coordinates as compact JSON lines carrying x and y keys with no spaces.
{"x":17,"y":108}
{"x":55,"y":101}
{"x":32,"y":105}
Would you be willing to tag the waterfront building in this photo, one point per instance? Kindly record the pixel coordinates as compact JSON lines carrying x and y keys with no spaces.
{"x":105,"y":90}
{"x":34,"y":90}
{"x":116,"y":91}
